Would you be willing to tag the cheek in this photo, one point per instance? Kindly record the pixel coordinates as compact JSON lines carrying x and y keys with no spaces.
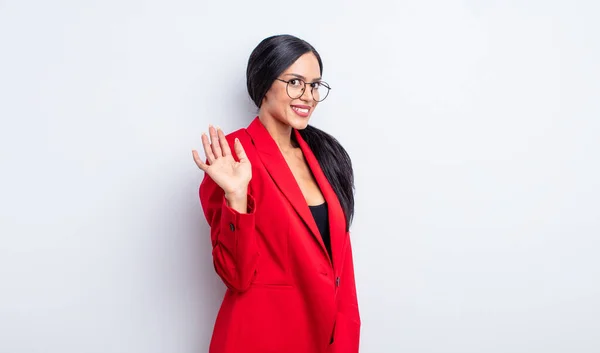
{"x":281,"y":103}
{"x":278,"y":103}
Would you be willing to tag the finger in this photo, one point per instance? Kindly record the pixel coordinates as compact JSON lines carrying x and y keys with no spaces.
{"x":224,"y":143}
{"x":198,"y":161}
{"x":207,"y":149}
{"x":239,"y":150}
{"x":214,"y":142}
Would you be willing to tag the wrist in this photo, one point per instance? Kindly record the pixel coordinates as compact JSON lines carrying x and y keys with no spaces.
{"x":237,"y":195}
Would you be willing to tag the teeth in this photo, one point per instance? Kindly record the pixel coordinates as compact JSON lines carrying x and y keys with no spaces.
{"x":301,"y":110}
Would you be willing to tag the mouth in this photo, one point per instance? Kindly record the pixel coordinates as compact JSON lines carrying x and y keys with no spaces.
{"x":302,"y":110}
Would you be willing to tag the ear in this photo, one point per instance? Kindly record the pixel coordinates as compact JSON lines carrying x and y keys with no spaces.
{"x":265,"y":98}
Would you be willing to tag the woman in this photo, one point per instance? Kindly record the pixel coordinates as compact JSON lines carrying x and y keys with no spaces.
{"x":278,"y":196}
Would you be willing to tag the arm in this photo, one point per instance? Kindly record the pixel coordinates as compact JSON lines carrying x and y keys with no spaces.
{"x":348,"y":299}
{"x":347,"y":336}
{"x":233,"y":235}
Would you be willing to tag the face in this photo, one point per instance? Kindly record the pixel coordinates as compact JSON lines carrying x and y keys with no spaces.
{"x":279,"y":108}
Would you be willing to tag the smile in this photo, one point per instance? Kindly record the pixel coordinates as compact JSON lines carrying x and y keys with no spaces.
{"x":301,"y":110}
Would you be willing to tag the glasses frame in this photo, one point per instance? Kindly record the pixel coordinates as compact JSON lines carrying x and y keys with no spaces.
{"x":287,"y":87}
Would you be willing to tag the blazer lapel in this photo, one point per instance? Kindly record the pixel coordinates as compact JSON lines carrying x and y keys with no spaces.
{"x":278,"y":169}
{"x":337,"y":219}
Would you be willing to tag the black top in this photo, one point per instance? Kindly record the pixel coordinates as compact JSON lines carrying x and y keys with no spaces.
{"x":321,"y":217}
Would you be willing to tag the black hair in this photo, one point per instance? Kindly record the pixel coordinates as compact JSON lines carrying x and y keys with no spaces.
{"x":268,"y":60}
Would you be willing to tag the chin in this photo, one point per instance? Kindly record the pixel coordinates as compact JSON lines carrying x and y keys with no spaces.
{"x":299,"y":123}
{"x":296,"y":121}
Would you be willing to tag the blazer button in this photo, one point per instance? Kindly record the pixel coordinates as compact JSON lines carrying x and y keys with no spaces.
{"x":231,"y":226}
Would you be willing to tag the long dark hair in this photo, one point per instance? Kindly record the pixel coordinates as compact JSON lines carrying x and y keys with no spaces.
{"x":269,"y":59}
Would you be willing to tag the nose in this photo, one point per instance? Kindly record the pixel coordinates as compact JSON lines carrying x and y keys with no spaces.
{"x":307,"y":94}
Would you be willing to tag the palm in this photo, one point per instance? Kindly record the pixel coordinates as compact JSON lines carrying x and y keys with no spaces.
{"x":231,"y":175}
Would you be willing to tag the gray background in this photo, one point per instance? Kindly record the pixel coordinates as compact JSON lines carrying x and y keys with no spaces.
{"x":473,"y":126}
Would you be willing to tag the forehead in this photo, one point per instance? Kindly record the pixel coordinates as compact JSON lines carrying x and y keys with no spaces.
{"x":307,"y":65}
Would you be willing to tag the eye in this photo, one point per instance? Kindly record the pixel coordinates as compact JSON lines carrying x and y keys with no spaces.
{"x":295,"y":82}
{"x":315,"y":85}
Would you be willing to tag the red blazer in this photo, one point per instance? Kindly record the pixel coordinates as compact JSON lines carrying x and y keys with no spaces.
{"x":285,"y":294}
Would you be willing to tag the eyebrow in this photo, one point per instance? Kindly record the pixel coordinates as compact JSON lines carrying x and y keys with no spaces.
{"x":303,"y":78}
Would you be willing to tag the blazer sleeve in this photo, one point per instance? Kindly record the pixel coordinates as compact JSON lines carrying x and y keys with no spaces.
{"x":348,"y":295}
{"x":348,"y":325}
{"x":233,"y":236}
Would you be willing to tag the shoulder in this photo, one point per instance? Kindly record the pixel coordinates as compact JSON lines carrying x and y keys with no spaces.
{"x":245,"y":140}
{"x":242,"y":135}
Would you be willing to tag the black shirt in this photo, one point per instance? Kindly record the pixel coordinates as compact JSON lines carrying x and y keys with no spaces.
{"x":321,"y":217}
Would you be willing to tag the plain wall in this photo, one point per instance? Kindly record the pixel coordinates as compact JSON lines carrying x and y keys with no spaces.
{"x":474,"y":128}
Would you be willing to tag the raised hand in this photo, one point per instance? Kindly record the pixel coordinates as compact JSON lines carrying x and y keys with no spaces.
{"x":231,"y":175}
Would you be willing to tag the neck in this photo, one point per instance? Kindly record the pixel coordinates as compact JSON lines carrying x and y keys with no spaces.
{"x":280,"y":132}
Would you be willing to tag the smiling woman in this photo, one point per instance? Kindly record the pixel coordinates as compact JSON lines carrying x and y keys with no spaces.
{"x":278,"y":196}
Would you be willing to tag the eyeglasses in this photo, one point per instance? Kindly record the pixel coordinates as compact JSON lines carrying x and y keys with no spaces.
{"x":295,"y":89}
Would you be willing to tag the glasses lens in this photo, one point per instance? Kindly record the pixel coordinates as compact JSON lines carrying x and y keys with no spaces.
{"x":295,"y":88}
{"x":320,"y":91}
